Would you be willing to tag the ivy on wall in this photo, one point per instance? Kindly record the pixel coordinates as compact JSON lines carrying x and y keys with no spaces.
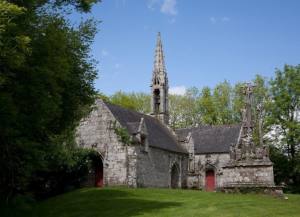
{"x":122,"y":134}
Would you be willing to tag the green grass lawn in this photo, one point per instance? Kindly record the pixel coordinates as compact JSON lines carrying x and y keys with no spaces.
{"x":121,"y":202}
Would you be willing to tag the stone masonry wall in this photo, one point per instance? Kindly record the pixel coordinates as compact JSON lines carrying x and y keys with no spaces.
{"x":203,"y":162}
{"x":250,"y":175}
{"x":96,"y":131}
{"x":154,"y":168}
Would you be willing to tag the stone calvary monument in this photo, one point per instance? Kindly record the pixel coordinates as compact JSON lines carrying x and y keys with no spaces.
{"x":249,"y":163}
{"x":140,"y":150}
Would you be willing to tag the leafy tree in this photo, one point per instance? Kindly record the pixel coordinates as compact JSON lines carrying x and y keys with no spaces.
{"x":193,"y":115}
{"x":47,"y":77}
{"x":179,"y":111}
{"x":208,"y":109}
{"x":143,"y":102}
{"x":237,"y":102}
{"x":14,"y":45}
{"x":261,"y":98}
{"x":136,"y":101}
{"x":80,"y":5}
{"x":283,"y":114}
{"x":222,"y":101}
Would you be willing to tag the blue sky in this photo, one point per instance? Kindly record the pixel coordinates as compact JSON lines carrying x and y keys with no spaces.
{"x":205,"y":41}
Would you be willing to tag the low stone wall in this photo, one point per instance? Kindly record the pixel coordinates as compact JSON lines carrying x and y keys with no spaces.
{"x":254,"y":174}
{"x":275,"y":191}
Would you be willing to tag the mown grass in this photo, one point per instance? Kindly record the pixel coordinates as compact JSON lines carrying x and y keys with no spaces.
{"x":121,"y":202}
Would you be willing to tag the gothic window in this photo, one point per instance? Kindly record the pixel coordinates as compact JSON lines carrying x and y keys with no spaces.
{"x":156,"y":80}
{"x":156,"y":100}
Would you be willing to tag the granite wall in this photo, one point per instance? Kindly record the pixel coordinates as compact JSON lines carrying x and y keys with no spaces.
{"x":154,"y":168}
{"x":97,"y":131}
{"x":254,"y":174}
{"x":200,"y":163}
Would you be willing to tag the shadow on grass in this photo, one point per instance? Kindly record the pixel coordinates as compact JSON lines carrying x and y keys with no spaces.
{"x":95,"y":202}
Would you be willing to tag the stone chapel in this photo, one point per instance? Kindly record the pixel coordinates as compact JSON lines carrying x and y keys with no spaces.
{"x":140,"y":150}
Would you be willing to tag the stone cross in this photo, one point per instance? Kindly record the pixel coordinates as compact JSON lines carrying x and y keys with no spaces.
{"x":248,"y":92}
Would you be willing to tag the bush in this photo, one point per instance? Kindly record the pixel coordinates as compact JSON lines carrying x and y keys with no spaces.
{"x":284,"y":171}
{"x":66,"y":170}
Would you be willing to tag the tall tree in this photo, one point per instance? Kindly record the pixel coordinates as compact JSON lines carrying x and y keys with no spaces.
{"x":222,"y":101}
{"x":136,"y":101}
{"x":207,"y":107}
{"x":237,"y":102}
{"x":283,"y":113}
{"x":183,"y":109}
{"x":47,"y":76}
{"x":261,"y":99}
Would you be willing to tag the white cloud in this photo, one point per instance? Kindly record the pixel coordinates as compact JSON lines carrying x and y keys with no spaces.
{"x":213,"y":20}
{"x":225,"y":19}
{"x":177,"y":90}
{"x":104,"y":53}
{"x":169,"y":7}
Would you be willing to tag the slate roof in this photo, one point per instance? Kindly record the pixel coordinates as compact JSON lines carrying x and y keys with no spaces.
{"x":211,"y":139}
{"x":159,"y":136}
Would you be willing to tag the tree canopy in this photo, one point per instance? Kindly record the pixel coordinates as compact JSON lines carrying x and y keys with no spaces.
{"x":46,"y":84}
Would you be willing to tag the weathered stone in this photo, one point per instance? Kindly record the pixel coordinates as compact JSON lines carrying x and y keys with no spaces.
{"x":139,"y":151}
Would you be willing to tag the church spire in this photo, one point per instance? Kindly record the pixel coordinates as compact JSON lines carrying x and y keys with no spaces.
{"x":160,"y":86}
{"x":159,"y":62}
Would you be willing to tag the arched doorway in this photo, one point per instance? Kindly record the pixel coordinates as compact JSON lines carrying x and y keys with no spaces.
{"x":99,"y":172}
{"x":210,"y":180}
{"x":175,"y":176}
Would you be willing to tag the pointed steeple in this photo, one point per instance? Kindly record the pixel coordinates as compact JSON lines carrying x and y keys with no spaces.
{"x":159,"y":86}
{"x":159,"y":61}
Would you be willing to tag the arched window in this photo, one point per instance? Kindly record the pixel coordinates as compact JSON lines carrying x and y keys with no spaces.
{"x":175,"y":176}
{"x":98,"y":167}
{"x":156,"y":100}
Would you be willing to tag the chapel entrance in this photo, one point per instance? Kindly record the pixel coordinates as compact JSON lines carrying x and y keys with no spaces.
{"x":175,"y":176}
{"x":210,"y":180}
{"x":99,"y":173}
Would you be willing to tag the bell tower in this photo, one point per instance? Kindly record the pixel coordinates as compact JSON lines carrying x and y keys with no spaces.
{"x":160,"y":86}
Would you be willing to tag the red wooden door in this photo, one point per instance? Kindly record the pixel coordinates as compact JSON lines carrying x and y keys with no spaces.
{"x":99,"y":176}
{"x":210,"y":180}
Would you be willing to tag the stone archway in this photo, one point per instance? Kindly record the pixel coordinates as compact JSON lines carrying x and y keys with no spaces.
{"x":175,"y":176}
{"x":99,"y":172}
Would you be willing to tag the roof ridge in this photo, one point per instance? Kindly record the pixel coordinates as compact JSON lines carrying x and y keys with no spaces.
{"x":212,"y":126}
{"x":128,"y":109}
